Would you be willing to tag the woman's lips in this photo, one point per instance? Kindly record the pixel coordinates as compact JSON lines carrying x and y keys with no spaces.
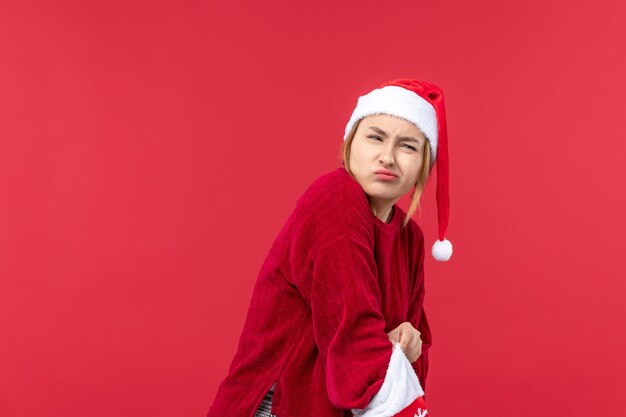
{"x":385,"y":176}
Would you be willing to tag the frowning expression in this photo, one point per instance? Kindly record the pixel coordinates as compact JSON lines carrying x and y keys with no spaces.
{"x":386,"y":156}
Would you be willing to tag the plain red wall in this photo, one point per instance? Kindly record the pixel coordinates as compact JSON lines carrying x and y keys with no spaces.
{"x":150,"y":152}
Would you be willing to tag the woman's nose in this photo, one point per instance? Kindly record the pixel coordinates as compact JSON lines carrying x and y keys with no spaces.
{"x":386,"y":155}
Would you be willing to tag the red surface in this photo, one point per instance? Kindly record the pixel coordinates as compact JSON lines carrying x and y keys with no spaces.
{"x":151,"y":151}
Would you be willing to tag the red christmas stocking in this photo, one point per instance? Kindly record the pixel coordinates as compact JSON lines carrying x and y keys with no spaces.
{"x":416,"y":409}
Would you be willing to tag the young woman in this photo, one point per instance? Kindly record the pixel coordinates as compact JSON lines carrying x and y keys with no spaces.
{"x":336,"y":325}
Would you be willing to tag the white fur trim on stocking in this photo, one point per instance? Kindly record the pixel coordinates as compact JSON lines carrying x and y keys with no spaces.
{"x":400,"y":388}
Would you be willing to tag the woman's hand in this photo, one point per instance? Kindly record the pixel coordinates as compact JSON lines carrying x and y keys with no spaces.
{"x":409,"y":339}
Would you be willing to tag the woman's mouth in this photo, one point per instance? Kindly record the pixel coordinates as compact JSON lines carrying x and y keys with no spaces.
{"x":386,"y":177}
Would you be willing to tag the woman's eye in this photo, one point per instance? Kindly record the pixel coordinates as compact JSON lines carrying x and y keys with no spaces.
{"x":374,"y":137}
{"x":410,"y":147}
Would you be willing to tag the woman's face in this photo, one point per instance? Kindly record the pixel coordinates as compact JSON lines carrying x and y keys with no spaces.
{"x":384,"y":142}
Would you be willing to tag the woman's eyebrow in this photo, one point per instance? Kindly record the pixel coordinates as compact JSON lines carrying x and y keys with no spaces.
{"x":407,"y":138}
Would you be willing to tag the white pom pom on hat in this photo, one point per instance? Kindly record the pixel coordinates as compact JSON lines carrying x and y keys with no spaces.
{"x":422,"y":104}
{"x":442,"y":250}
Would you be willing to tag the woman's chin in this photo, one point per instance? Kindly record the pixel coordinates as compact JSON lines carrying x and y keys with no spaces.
{"x":382,"y":193}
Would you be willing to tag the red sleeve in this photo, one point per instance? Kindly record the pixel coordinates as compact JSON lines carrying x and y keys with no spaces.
{"x":421,"y":364}
{"x":417,"y":316}
{"x":348,"y":325}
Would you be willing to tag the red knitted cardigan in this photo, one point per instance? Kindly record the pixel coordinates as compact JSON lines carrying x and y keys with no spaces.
{"x":335,"y":281}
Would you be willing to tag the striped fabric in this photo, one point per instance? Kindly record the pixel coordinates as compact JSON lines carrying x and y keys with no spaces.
{"x":265,"y":407}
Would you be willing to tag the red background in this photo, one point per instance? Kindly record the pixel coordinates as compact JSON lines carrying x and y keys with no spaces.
{"x":150,"y":152}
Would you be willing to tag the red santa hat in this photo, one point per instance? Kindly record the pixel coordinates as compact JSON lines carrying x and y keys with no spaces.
{"x":422,"y":104}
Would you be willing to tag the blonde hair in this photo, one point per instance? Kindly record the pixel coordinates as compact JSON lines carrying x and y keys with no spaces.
{"x":421,"y":179}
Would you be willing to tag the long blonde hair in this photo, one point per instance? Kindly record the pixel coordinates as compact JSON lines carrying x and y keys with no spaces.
{"x":421,"y":179}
